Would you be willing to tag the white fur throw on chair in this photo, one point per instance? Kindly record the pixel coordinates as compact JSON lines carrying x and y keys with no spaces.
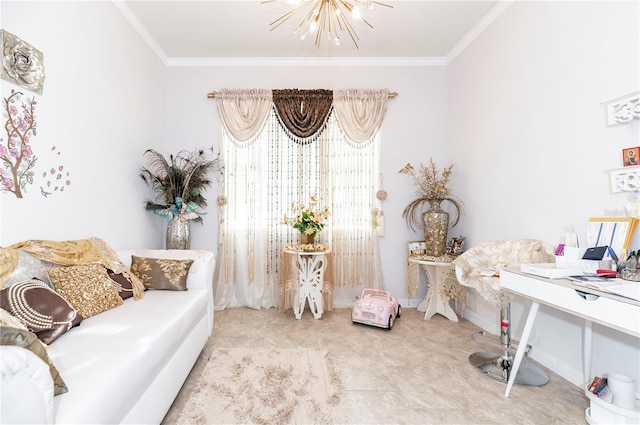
{"x":495,"y":255}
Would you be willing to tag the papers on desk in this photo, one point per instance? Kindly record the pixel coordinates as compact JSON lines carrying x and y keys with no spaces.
{"x":549,"y":270}
{"x":620,"y":287}
{"x":617,"y":286}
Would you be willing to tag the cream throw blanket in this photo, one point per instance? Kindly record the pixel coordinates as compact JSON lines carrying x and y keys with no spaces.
{"x":495,"y":254}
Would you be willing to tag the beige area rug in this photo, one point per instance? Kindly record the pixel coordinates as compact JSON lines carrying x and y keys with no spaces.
{"x":267,"y":386}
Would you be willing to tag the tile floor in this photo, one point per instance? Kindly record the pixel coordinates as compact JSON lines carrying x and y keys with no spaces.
{"x":417,"y":373}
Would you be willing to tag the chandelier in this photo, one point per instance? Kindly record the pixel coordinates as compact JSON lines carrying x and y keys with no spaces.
{"x":326,"y":18}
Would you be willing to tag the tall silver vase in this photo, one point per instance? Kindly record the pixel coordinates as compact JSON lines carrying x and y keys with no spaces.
{"x":436,"y":227}
{"x":178,"y":234}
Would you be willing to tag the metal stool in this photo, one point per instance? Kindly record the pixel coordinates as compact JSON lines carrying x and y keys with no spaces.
{"x":497,"y":365}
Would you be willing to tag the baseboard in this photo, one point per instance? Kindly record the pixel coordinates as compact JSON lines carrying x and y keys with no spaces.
{"x":481,"y":321}
{"x":564,"y":370}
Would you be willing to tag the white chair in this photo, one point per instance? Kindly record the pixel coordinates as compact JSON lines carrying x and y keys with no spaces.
{"x":473,"y":270}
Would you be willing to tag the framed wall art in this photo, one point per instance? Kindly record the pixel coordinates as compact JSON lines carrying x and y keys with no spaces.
{"x":417,"y":247}
{"x":631,"y":156}
{"x":455,"y":245}
{"x":22,"y":64}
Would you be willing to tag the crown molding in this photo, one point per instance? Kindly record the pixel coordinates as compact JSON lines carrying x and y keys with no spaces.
{"x":478,"y":29}
{"x":487,"y":20}
{"x":284,"y":62}
{"x":141,"y":30}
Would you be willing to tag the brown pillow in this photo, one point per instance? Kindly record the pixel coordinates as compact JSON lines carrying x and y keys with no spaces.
{"x":122,"y":284}
{"x":40,"y":309}
{"x":87,"y":288}
{"x":157,"y":273}
{"x":25,"y":339}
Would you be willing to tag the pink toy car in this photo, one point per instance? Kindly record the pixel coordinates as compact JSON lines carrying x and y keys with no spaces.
{"x":376,"y":308}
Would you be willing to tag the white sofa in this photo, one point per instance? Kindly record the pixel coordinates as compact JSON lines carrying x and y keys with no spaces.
{"x":124,"y":365}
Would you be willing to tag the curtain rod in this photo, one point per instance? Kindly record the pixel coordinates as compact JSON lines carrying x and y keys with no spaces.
{"x":213,"y":94}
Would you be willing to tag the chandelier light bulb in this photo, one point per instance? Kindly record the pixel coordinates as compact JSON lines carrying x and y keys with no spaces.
{"x":333,"y":16}
{"x":356,"y":13}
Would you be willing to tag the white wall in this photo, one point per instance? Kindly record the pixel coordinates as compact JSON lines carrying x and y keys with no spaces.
{"x":102,"y":106}
{"x":528,"y":136}
{"x":414,"y":129}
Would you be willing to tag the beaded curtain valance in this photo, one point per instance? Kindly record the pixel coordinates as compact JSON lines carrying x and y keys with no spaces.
{"x":302,"y":114}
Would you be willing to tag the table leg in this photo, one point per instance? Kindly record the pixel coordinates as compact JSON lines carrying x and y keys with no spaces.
{"x":522,"y":345}
{"x":428,"y":305}
{"x":434,"y":302}
{"x":298,"y":305}
{"x":586,"y":353}
{"x":311,"y":282}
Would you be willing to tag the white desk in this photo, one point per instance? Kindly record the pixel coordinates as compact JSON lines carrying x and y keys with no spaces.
{"x":609,"y":310}
{"x":442,"y":287}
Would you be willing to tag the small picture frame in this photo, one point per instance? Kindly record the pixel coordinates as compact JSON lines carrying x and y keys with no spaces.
{"x":417,"y":247}
{"x":631,"y":156}
{"x":455,"y":245}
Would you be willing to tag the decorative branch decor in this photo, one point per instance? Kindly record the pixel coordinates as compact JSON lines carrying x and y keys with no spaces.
{"x":16,"y":156}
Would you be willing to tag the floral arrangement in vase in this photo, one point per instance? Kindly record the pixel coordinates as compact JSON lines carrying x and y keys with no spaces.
{"x":309,"y":219}
{"x":432,"y":187}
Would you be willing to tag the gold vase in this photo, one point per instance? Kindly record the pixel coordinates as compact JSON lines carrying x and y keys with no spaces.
{"x":307,"y":239}
{"x":436,"y":227}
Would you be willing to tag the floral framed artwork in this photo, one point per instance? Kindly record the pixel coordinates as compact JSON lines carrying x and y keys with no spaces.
{"x":417,"y":247}
{"x":22,"y":64}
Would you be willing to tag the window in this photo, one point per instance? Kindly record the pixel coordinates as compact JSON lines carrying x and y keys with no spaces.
{"x":268,"y":172}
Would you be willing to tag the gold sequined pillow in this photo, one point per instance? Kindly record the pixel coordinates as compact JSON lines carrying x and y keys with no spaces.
{"x":159,"y":273}
{"x":88,"y":288}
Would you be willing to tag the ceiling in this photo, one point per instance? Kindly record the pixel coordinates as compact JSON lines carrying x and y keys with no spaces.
{"x":183,"y":31}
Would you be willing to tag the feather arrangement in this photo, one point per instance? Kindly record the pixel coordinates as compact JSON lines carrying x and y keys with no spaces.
{"x":179,"y":183}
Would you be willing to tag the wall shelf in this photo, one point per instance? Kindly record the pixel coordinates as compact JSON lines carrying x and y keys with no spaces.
{"x":625,"y":179}
{"x":623,"y":110}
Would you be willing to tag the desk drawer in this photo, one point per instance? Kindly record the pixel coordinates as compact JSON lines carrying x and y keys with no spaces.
{"x":610,"y":312}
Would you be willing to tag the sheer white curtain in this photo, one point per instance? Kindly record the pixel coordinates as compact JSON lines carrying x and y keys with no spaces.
{"x":264,"y":174}
{"x":350,"y":180}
